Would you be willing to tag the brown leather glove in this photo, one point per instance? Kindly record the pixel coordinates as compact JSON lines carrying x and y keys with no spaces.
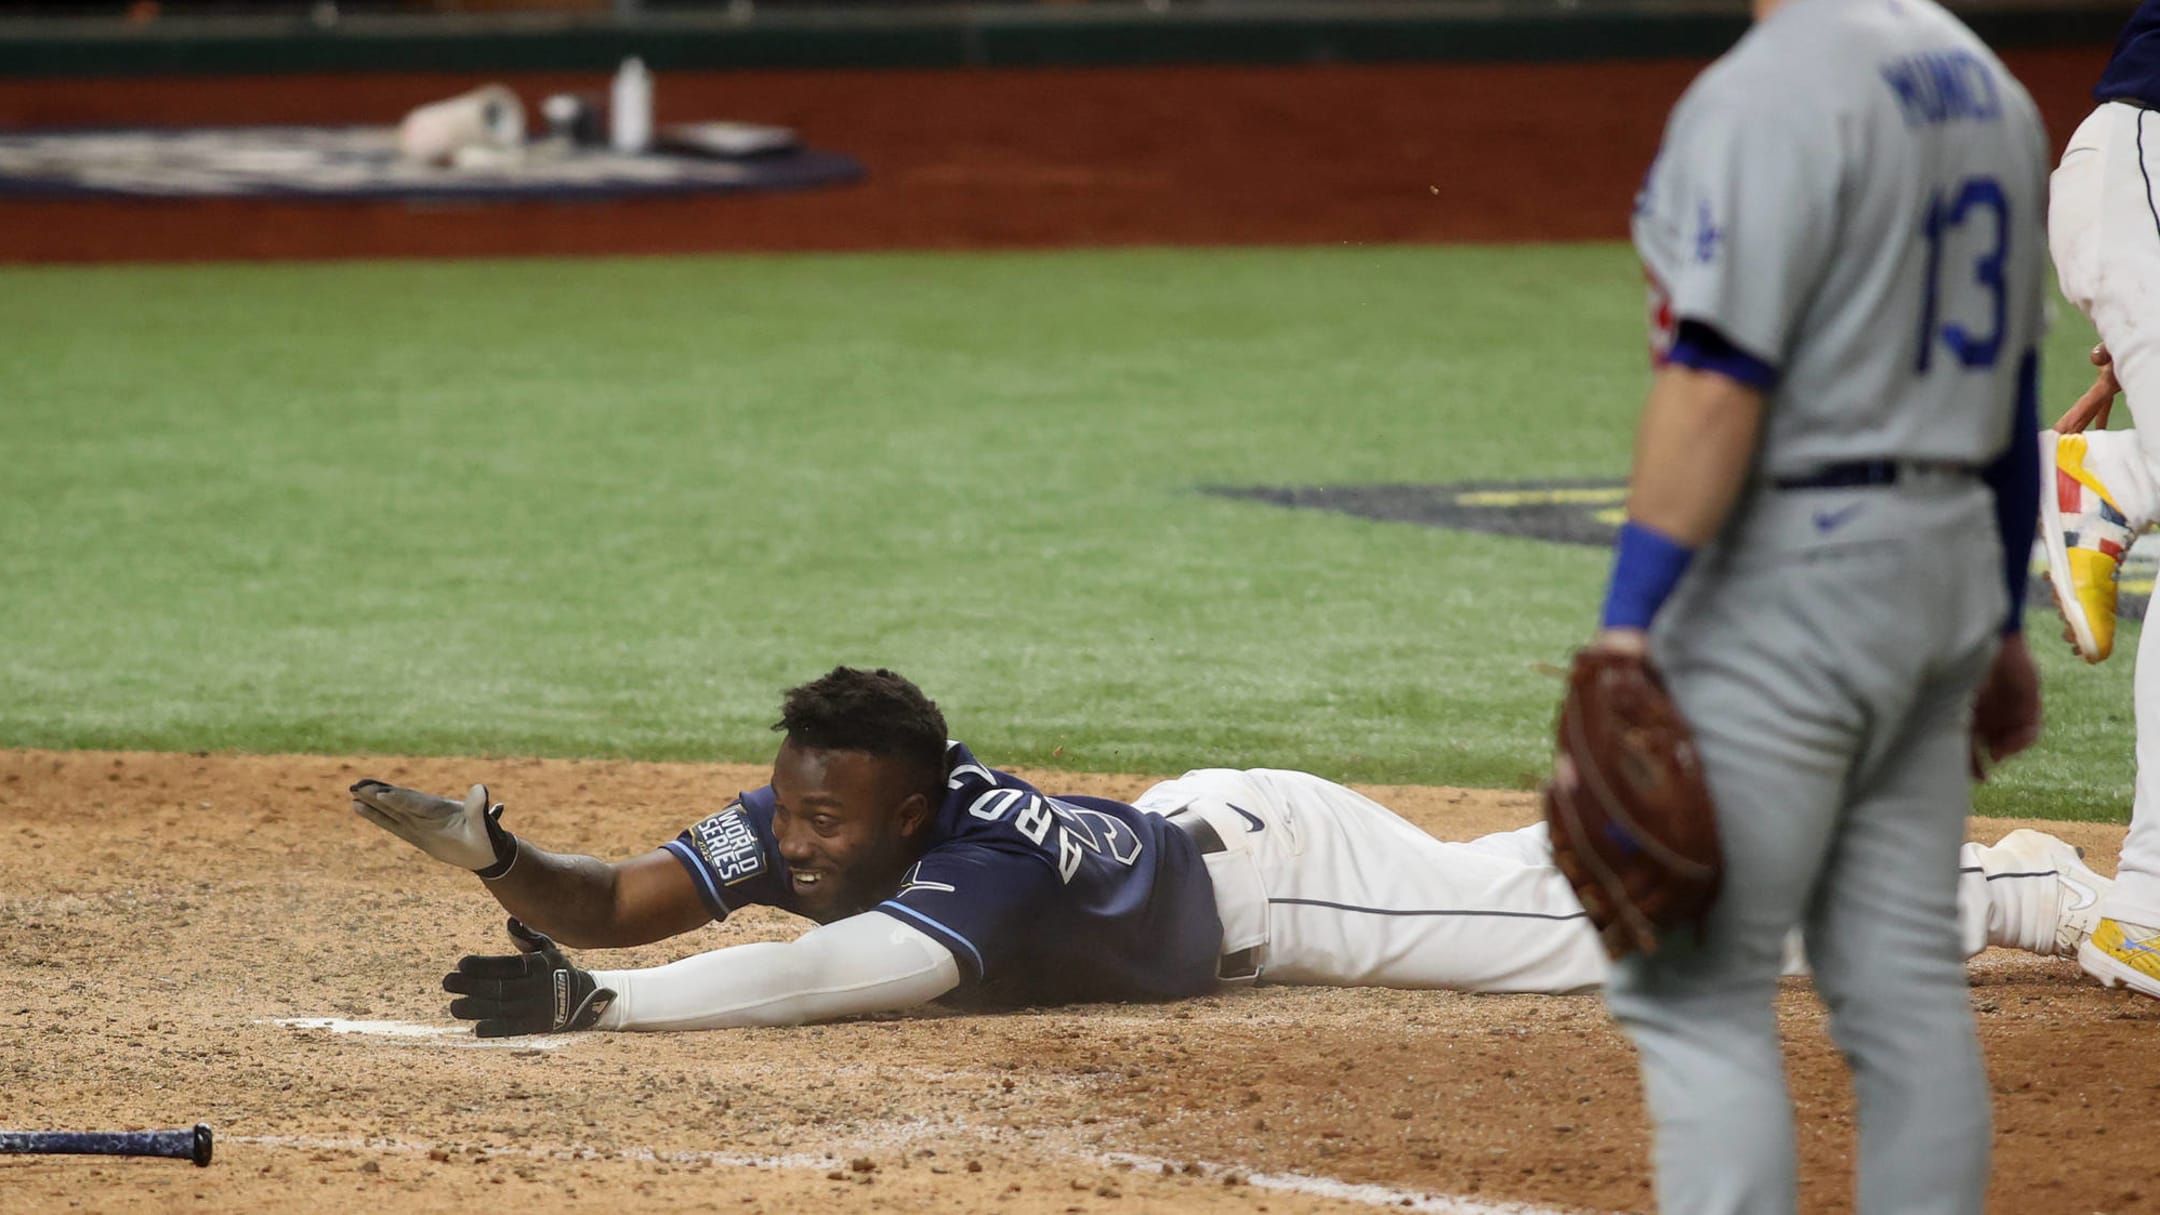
{"x":1633,"y":826}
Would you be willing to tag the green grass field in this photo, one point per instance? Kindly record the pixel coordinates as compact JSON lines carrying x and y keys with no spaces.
{"x":614,"y":507}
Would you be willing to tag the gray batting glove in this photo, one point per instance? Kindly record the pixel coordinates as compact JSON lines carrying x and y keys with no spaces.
{"x":466,"y":834}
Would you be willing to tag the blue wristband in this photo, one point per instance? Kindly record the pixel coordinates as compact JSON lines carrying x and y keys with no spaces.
{"x":1647,"y":565}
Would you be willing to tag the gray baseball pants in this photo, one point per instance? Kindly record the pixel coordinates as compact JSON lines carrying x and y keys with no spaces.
{"x":1826,"y":651}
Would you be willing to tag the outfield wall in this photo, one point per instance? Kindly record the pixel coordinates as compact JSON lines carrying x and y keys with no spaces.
{"x":917,"y":36}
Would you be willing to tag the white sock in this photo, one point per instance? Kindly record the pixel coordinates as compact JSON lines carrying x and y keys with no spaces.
{"x":2012,"y":911}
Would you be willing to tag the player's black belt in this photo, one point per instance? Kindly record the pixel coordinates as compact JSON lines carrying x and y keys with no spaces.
{"x":1245,"y":963}
{"x":1871,"y":474}
{"x":2139,"y":102}
{"x":1203,"y":833}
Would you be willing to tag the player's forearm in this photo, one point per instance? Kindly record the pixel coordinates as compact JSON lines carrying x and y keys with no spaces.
{"x":571,"y":898}
{"x":864,"y":964}
{"x":1692,"y":452}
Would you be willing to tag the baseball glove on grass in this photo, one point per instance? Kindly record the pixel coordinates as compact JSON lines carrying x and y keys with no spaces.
{"x":1633,"y":826}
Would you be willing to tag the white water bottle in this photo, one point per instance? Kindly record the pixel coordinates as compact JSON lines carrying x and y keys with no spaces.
{"x":630,"y":108}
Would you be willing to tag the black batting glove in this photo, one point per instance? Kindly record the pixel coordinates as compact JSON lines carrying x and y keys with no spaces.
{"x":534,"y":991}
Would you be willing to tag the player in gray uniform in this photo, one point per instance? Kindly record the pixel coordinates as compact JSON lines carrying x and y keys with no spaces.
{"x":1843,"y":235}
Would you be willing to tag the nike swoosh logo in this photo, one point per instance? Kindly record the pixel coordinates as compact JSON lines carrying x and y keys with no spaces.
{"x":2085,"y":894}
{"x":1831,"y":520}
{"x":1252,"y":821}
{"x":2130,"y":946}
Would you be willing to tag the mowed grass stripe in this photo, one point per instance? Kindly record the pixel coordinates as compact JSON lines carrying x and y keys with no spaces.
{"x":613,"y":507}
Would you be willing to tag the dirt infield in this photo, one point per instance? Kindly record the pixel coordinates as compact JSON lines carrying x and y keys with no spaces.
{"x":981,"y":159}
{"x":159,"y":912}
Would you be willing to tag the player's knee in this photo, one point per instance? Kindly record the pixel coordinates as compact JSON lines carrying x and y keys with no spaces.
{"x":1879,"y":1019}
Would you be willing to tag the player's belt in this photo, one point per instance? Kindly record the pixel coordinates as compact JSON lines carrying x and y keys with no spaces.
{"x":1243,"y":963}
{"x":2139,"y":102}
{"x":1872,"y":474}
{"x":1203,"y":833}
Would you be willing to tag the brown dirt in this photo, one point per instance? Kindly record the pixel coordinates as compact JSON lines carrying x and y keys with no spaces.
{"x":981,"y":159}
{"x":155,"y":910}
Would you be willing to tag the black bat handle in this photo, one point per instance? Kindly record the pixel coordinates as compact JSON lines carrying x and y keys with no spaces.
{"x":187,"y":1144}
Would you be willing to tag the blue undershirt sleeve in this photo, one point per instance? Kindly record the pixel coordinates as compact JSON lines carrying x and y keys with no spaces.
{"x":1699,"y":345}
{"x":2015,"y":478}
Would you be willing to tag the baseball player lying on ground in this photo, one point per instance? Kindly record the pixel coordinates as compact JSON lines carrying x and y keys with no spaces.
{"x":935,"y":878}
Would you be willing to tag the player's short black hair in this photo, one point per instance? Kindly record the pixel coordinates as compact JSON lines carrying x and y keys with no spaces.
{"x":878,"y":712}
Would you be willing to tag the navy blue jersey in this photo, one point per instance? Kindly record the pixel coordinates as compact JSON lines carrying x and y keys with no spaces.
{"x":2134,"y":72}
{"x":1042,"y":900}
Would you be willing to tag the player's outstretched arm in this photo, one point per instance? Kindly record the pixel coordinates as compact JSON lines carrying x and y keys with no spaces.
{"x":581,"y":900}
{"x":863,"y":964}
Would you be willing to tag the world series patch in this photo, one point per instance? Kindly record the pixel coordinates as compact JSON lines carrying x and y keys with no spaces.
{"x":729,"y":847}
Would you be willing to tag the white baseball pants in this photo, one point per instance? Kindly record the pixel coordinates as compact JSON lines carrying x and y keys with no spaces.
{"x":2104,"y":234}
{"x":1336,"y":889}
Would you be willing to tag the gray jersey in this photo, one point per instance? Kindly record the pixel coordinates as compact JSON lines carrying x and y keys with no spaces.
{"x":1853,"y":198}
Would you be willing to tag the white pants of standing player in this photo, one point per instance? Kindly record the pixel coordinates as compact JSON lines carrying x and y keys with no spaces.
{"x":2104,"y":233}
{"x":1829,"y":678}
{"x":1336,"y":889}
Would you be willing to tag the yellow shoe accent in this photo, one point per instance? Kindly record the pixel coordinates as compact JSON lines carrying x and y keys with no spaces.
{"x":2092,"y":577}
{"x":2085,"y":534}
{"x":2070,"y":458}
{"x":2121,"y":955}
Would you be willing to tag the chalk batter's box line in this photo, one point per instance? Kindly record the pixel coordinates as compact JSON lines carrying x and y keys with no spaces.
{"x":1357,"y":1193}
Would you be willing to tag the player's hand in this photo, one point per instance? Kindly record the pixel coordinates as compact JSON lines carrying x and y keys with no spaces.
{"x":2093,"y":408}
{"x":2006,"y":713}
{"x":466,"y":834}
{"x":534,"y":991}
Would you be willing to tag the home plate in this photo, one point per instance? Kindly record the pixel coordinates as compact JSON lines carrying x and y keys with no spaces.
{"x":413,"y":1033}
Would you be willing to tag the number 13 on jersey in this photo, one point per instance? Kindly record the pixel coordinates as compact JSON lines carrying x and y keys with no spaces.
{"x":1952,"y":214}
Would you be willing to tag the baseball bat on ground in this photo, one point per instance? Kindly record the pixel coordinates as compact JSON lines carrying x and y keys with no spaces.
{"x":185,"y":1144}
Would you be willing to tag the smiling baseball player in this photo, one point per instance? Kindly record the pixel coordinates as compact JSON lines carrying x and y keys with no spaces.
{"x":933,"y":877}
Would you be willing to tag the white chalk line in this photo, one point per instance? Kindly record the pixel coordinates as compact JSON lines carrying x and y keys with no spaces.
{"x":888,"y":1136}
{"x":893,"y":1135}
{"x":1329,"y":1187}
{"x":414,"y":1033}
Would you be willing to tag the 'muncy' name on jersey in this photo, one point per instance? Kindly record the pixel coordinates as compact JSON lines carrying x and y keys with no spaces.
{"x":1042,"y":900}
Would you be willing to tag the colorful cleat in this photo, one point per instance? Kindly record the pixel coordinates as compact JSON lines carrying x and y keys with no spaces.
{"x":2086,"y":534}
{"x":2123,"y":955}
